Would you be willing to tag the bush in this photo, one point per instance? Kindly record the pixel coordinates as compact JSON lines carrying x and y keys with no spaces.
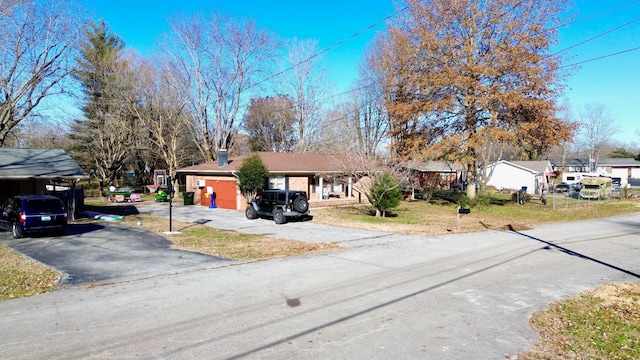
{"x":252,"y":175}
{"x":386,"y":193}
{"x":481,"y":201}
{"x":448,"y":196}
{"x":516,"y":196}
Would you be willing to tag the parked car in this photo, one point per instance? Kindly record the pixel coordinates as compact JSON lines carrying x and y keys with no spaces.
{"x":279,"y":204}
{"x":30,"y":214}
{"x":567,"y":188}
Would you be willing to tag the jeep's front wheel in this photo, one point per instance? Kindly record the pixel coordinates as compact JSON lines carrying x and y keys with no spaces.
{"x":251,"y":213}
{"x":278,"y":217}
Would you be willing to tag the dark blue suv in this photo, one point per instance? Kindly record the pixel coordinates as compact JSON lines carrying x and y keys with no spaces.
{"x":29,"y":214}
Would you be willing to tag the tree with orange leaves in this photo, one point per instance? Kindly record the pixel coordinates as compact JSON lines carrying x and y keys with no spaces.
{"x":470,"y":74}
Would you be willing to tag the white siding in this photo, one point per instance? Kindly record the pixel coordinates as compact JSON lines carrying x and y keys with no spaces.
{"x":507,"y":176}
{"x":622,"y":173}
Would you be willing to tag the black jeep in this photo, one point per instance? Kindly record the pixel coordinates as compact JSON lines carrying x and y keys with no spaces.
{"x":279,"y":204}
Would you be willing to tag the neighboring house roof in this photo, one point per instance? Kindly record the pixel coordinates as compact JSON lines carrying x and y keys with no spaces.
{"x":613,"y":162}
{"x":572,"y":162}
{"x":289,"y":163}
{"x":540,"y":167}
{"x":440,"y":167}
{"x":622,"y":162}
{"x":534,"y":167}
{"x":38,"y":164}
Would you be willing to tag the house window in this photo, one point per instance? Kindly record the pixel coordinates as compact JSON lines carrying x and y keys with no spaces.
{"x":277,"y":183}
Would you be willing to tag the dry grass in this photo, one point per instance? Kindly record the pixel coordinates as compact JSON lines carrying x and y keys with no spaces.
{"x":223,"y":243}
{"x":21,"y":276}
{"x":424,"y":218}
{"x":599,"y":324}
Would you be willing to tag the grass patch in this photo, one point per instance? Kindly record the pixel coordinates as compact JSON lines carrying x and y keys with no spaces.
{"x":20,"y":276}
{"x":223,"y":243}
{"x":599,"y":324}
{"x":440,"y":217}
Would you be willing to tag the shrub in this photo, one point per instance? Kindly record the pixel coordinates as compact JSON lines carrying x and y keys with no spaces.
{"x":251,"y":176}
{"x":386,"y":193}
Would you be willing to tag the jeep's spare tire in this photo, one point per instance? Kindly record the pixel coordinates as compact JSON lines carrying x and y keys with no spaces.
{"x":300,"y":204}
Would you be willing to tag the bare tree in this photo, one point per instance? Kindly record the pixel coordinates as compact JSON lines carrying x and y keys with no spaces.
{"x":370,"y":117}
{"x":37,"y":45}
{"x":370,"y":172}
{"x":335,"y":135}
{"x":8,"y":6}
{"x":302,"y":81}
{"x":219,"y":59}
{"x":598,"y":127}
{"x":161,"y":114}
{"x":38,"y":132}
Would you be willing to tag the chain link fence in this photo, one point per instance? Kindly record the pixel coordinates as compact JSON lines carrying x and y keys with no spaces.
{"x":571,"y":199}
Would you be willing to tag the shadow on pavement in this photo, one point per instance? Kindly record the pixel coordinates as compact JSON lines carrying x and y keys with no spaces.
{"x":573,"y":253}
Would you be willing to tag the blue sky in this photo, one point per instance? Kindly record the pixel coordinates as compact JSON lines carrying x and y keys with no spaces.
{"x":613,"y":81}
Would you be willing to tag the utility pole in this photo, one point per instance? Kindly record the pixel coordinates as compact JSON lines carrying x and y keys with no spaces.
{"x":170,"y":194}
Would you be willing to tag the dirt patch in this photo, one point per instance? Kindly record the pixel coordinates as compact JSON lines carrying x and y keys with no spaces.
{"x":515,"y":227}
{"x":613,"y":294}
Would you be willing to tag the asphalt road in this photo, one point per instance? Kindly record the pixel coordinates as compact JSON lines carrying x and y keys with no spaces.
{"x":384,"y":296}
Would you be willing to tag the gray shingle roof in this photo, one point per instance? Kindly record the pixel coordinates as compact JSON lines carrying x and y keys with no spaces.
{"x":38,"y":164}
{"x":440,"y":166}
{"x":622,"y":162}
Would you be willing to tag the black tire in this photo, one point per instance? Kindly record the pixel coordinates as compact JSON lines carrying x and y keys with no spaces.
{"x":278,"y":217}
{"x":300,"y":204}
{"x":16,"y":230}
{"x":251,"y":213}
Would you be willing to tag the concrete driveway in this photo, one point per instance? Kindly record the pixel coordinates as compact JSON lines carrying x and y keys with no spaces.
{"x":108,"y":252}
{"x":292,"y":230}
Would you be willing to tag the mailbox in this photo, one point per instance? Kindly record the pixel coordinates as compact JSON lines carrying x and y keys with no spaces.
{"x":464,"y":211}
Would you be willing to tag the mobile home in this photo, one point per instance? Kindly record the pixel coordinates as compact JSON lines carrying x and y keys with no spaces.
{"x":576,"y":177}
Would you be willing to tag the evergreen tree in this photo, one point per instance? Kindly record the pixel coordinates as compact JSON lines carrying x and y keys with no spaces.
{"x":621,"y":153}
{"x":102,"y":140}
{"x":385,"y":194}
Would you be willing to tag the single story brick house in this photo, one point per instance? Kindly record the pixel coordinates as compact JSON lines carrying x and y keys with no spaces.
{"x":288,"y":171}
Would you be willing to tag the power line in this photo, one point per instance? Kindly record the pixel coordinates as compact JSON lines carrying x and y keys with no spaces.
{"x":601,"y":57}
{"x":597,"y":36}
{"x":408,"y":7}
{"x":348,"y":38}
{"x":598,"y":14}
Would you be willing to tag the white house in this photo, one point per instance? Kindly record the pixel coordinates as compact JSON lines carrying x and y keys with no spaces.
{"x":515,"y":175}
{"x":627,"y":169}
